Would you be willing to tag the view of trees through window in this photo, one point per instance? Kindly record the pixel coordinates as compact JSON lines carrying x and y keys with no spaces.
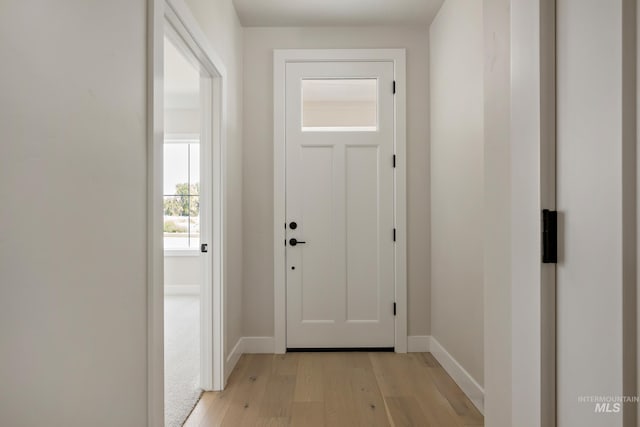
{"x":181,"y":196}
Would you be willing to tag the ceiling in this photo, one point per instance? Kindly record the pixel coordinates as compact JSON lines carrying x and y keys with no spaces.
{"x":300,"y":13}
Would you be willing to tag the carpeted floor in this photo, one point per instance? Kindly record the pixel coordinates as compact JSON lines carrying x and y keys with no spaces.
{"x":182,"y":357}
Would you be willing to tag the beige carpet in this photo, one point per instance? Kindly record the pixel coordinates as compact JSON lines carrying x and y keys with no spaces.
{"x":182,"y":357}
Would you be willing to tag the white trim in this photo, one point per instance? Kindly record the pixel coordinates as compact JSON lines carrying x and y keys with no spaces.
{"x":178,"y":290}
{"x":232,"y":359}
{"x":339,"y":128}
{"x":184,"y":23}
{"x":470,"y":387}
{"x":155,"y":238}
{"x":418,"y":344}
{"x":532,"y":286}
{"x":465,"y":381}
{"x":186,"y":138}
{"x":401,"y":200}
{"x":169,"y":253}
{"x":247,"y":345}
{"x":337,"y":55}
{"x":280,"y":59}
{"x":258,"y":345}
{"x":208,"y":217}
{"x":279,"y":204}
{"x":176,"y":12}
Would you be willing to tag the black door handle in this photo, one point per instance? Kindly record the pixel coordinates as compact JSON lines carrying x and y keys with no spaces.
{"x":294,"y":242}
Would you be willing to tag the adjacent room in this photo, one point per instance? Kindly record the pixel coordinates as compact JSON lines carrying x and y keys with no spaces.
{"x":183,"y":261}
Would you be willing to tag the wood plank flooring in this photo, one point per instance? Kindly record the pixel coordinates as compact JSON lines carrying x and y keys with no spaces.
{"x":337,"y":389}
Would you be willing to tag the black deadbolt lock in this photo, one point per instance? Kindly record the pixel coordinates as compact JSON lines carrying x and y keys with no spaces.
{"x":293,"y":225}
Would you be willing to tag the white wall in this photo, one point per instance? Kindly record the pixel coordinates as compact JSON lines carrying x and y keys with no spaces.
{"x":497,"y":214}
{"x":457,"y":144}
{"x":182,"y":274}
{"x":219,"y":21}
{"x":73,"y":323}
{"x":182,"y":120}
{"x":258,"y":160}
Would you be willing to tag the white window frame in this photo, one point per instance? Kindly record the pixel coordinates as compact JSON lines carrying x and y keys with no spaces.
{"x":185,"y":138}
{"x":280,"y":59}
{"x":212,"y":371}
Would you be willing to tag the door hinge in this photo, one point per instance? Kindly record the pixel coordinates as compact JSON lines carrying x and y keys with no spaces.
{"x":394,"y":234}
{"x":394,"y":87}
{"x":394,"y":160}
{"x":549,"y":236}
{"x":394,"y":308}
{"x":204,"y":248}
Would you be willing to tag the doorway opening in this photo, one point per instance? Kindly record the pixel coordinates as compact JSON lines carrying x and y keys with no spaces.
{"x":187,"y":201}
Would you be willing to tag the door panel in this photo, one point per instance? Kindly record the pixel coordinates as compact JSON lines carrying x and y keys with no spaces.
{"x":316,"y":224}
{"x":590,"y":282}
{"x":363,"y":286}
{"x":339,"y":142}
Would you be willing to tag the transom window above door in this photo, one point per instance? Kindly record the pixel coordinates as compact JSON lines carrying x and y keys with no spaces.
{"x":339,"y":105}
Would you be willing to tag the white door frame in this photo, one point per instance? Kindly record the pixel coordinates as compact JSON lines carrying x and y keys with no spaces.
{"x":280,"y":58}
{"x":177,"y":14}
{"x":532,"y":313}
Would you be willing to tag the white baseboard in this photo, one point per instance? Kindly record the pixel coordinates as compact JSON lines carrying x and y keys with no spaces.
{"x":174,"y":290}
{"x":261,"y":345}
{"x":418,"y":343}
{"x":465,"y":381}
{"x":232,"y":359}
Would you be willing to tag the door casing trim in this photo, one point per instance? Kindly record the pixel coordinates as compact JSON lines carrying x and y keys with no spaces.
{"x":280,"y":59}
{"x":177,"y":14}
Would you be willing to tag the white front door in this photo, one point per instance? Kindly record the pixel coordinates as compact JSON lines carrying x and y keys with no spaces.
{"x":340,"y":204}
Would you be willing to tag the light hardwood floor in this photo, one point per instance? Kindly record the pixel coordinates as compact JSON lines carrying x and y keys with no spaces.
{"x":337,"y":389}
